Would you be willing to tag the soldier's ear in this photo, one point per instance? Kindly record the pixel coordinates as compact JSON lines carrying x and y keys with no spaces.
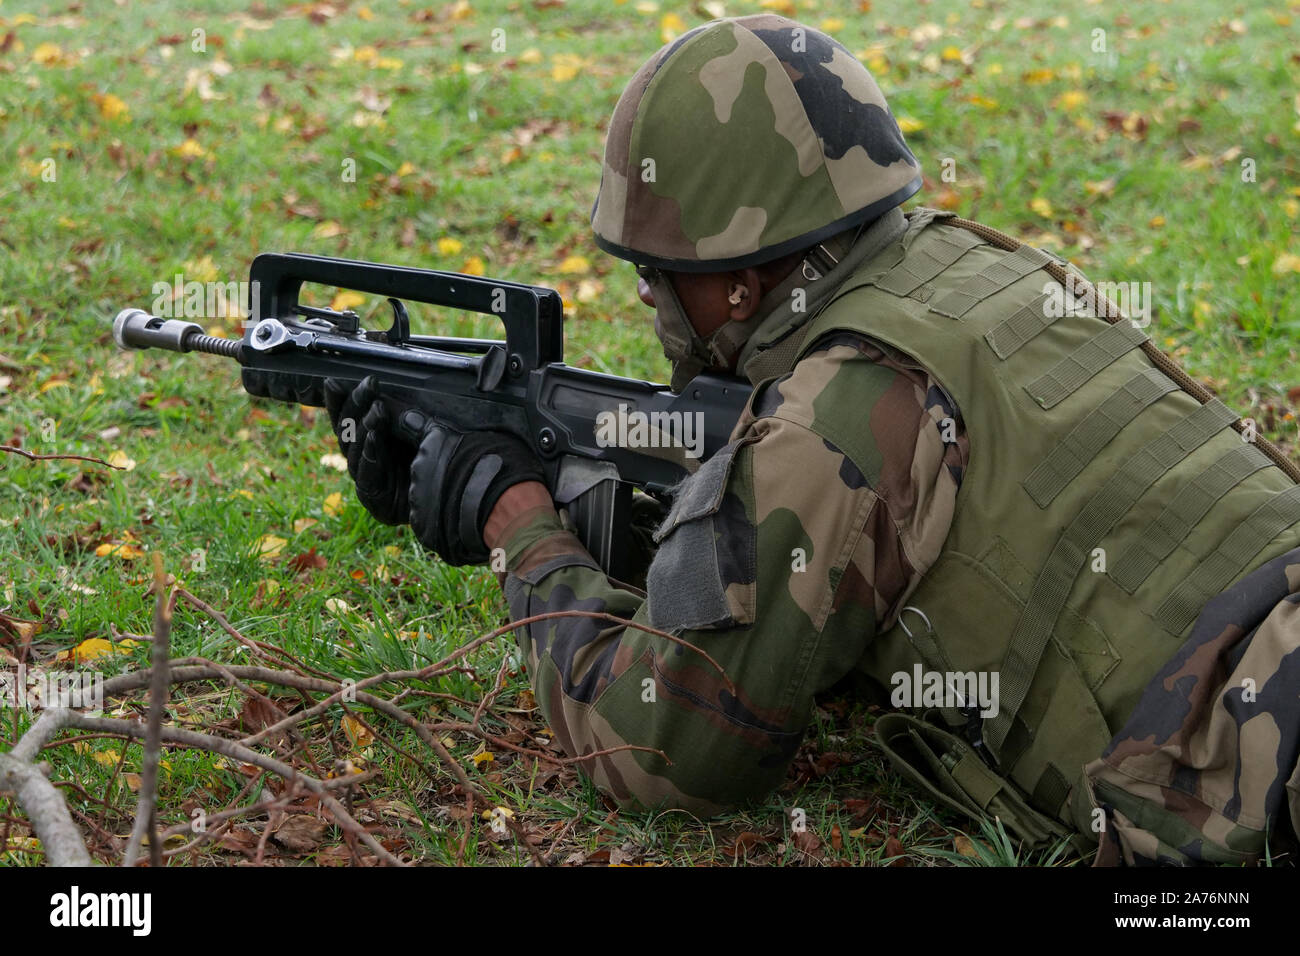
{"x":744,"y":290}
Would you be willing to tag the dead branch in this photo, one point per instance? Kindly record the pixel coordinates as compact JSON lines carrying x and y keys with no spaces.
{"x":32,"y":456}
{"x":159,"y":686}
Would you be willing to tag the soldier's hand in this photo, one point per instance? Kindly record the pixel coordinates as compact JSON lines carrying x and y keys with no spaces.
{"x":378,"y":461}
{"x":456,"y":479}
{"x":283,"y":386}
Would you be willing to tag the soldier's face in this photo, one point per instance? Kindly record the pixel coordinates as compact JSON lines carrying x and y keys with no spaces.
{"x":704,"y":297}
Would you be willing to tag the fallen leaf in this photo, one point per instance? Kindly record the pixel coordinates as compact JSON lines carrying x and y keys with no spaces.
{"x":268,"y":546}
{"x":357,"y":732}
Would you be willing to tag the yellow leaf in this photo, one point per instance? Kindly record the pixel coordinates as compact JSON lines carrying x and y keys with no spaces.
{"x":1042,"y":207}
{"x":962,"y":844}
{"x":248,"y":494}
{"x":909,"y":124}
{"x":531,"y":55}
{"x":93,"y":648}
{"x":1071,"y":100}
{"x":671,"y":27}
{"x":461,"y":10}
{"x":1291,"y":208}
{"x":120,"y":459}
{"x":132,"y":781}
{"x":1286,"y":263}
{"x":201,"y":270}
{"x":111,"y":107}
{"x":473,"y":266}
{"x":357,"y":732}
{"x":365,"y":14}
{"x":190,"y":149}
{"x":302,"y":524}
{"x":448,"y":247}
{"x":1043,"y":75}
{"x":983,"y":102}
{"x":499,"y":812}
{"x":346,"y":300}
{"x":55,"y":382}
{"x":268,"y":546}
{"x":328,"y":230}
{"x":1156,"y":222}
{"x":588,"y":289}
{"x":405,"y":169}
{"x":575,"y":265}
{"x":337,"y":606}
{"x":47,"y":54}
{"x":565,"y":66}
{"x":780,"y":6}
{"x":333,"y":505}
{"x":108,"y":758}
{"x":485,"y":757}
{"x":365,"y":54}
{"x":647,"y":7}
{"x":388,"y":63}
{"x":951,"y":54}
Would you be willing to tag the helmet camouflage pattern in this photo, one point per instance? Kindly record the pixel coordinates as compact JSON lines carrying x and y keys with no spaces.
{"x":743,"y":140}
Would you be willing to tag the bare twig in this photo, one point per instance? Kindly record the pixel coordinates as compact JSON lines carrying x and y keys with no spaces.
{"x":44,"y":806}
{"x":32,"y":456}
{"x":146,"y":808}
{"x":233,"y":750}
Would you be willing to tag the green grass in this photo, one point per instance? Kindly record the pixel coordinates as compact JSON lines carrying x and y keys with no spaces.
{"x":463,"y":153}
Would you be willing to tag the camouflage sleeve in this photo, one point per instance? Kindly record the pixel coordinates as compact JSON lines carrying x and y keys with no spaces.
{"x":778,"y":559}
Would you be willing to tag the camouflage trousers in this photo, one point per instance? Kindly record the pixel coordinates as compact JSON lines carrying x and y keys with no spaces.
{"x":1205,"y":770}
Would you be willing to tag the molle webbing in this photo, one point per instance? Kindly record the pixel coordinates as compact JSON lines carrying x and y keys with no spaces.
{"x":1229,"y":558}
{"x":1010,"y":334}
{"x":923,"y":265}
{"x":1159,"y":538}
{"x":1070,"y":554}
{"x":1158,"y":358}
{"x":994,"y":278}
{"x":1094,"y":433}
{"x":1066,"y":377}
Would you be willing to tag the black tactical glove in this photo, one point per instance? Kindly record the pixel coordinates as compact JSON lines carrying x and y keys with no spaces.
{"x":283,"y":386}
{"x":379,"y":463}
{"x":456,"y":479}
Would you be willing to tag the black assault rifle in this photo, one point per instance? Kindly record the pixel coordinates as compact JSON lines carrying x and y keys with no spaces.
{"x":520,"y":385}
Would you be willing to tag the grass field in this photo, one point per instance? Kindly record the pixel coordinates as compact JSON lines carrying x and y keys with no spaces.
{"x":146,"y":141}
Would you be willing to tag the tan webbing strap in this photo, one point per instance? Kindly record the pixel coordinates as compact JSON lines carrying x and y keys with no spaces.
{"x":1070,"y":555}
{"x":1165,"y":532}
{"x":1010,"y":334}
{"x":1158,"y":358}
{"x":779,"y":358}
{"x":923,"y":265}
{"x":1236,"y":551}
{"x":1066,"y":377}
{"x":1064,"y":462}
{"x":996,"y":277}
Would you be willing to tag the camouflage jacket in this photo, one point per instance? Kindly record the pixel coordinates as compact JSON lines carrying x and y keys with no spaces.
{"x":748,"y":572}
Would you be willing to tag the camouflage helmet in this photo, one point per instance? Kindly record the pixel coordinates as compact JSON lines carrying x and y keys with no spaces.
{"x":744,"y":140}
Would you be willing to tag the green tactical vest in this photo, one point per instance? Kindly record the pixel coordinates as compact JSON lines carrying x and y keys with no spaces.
{"x":1102,"y":505}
